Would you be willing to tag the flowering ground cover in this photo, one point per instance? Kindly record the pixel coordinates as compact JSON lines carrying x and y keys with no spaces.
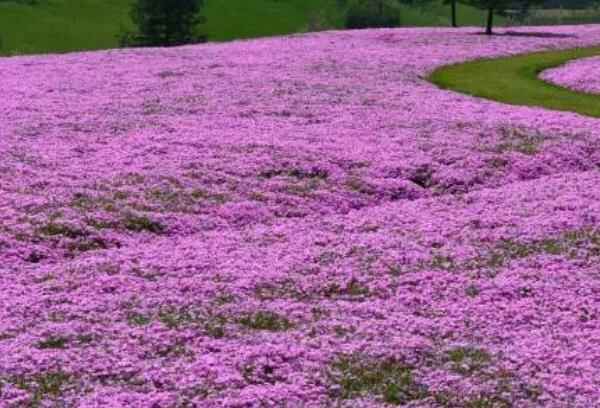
{"x":580,"y":75}
{"x":295,"y":222}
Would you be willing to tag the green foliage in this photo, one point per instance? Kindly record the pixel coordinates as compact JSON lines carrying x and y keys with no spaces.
{"x":53,"y":228}
{"x":468,"y":360}
{"x":138,"y":319}
{"x":140,"y":223}
{"x":265,"y":320}
{"x":164,"y":23}
{"x":53,"y":342}
{"x":519,"y":140}
{"x":352,"y":289}
{"x":388,"y":379}
{"x":42,"y":387}
{"x":371,"y":13}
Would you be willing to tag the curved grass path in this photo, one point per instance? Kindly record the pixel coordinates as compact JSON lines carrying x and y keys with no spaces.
{"x":515,"y":80}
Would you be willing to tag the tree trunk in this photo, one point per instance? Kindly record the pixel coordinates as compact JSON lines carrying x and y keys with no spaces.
{"x":453,"y":4}
{"x":490,"y":22}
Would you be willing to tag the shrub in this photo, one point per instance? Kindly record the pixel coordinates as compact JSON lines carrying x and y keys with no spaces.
{"x":164,"y":23}
{"x":367,"y":14}
{"x":391,"y":380}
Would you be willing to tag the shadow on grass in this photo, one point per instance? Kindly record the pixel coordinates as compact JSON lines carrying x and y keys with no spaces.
{"x":539,"y":34}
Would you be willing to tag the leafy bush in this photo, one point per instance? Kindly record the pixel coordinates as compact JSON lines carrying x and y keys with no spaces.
{"x":368,"y":13}
{"x":164,"y":23}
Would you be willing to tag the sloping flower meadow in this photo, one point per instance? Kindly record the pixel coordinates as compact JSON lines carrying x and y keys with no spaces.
{"x":295,"y":222}
{"x":581,"y":75}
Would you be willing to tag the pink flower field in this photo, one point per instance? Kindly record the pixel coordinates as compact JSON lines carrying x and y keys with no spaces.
{"x":295,"y":222}
{"x":580,"y":75}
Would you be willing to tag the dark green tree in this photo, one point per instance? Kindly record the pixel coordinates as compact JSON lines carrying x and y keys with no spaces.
{"x":164,"y":23}
{"x":453,"y":20}
{"x":371,"y":13}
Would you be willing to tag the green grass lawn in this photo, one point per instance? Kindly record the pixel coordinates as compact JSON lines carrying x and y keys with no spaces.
{"x":234,"y":19}
{"x":515,"y":81}
{"x":560,"y":16}
{"x":71,"y":25}
{"x":61,"y":25}
{"x":438,"y":14}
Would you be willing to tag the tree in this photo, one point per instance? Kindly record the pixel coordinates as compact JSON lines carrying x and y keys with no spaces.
{"x":371,"y":13}
{"x":164,"y":23}
{"x":453,"y":14}
{"x":499,"y":7}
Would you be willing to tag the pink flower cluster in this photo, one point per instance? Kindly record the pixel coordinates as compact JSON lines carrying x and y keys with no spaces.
{"x":295,"y":222}
{"x":581,"y":75}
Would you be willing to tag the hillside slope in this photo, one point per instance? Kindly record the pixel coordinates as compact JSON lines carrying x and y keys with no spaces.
{"x":69,"y":25}
{"x":61,"y":25}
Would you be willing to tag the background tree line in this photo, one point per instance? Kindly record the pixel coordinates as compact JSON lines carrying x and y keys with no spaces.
{"x":42,"y":26}
{"x":383,"y":13}
{"x":175,"y":22}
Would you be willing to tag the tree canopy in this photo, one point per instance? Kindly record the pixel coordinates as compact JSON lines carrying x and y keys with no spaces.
{"x":165,"y":22}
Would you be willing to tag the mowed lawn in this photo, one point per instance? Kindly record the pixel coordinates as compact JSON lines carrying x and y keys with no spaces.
{"x":515,"y":80}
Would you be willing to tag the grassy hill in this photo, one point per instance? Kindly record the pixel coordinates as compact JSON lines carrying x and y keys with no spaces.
{"x":67,"y":25}
{"x":231,"y":19}
{"x":437,"y":14}
{"x":60,"y":25}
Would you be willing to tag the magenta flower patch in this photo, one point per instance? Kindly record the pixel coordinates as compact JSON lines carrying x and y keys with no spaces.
{"x":580,"y":75}
{"x":295,"y":222}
